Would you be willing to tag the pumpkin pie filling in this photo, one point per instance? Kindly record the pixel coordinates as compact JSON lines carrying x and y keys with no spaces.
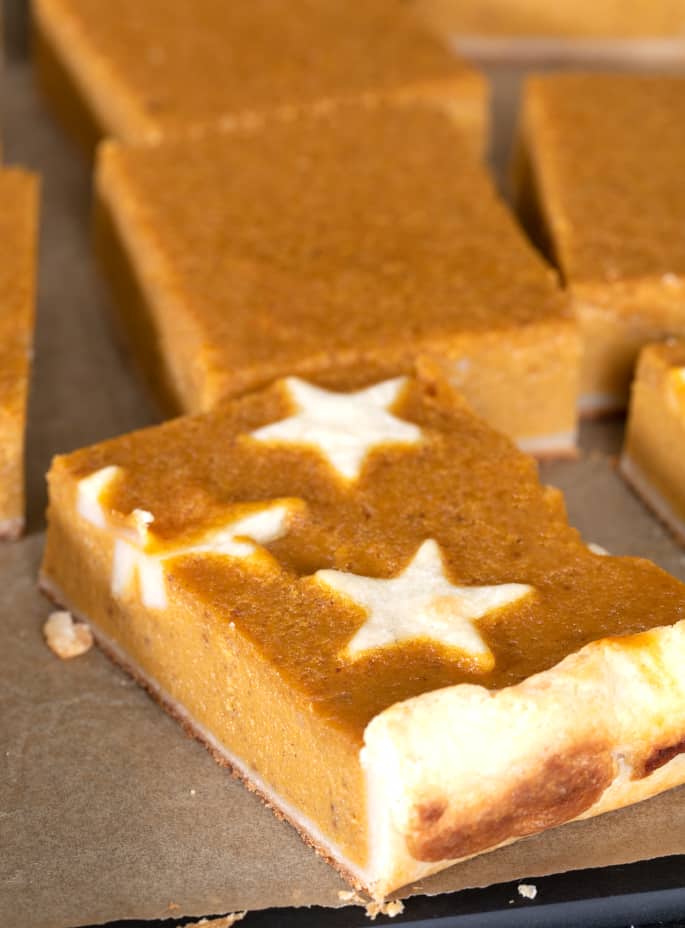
{"x":598,"y":176}
{"x":334,"y":611}
{"x":18,"y":234}
{"x":146,"y":71}
{"x":339,"y":248}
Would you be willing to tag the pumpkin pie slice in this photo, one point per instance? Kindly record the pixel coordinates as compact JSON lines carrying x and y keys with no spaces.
{"x":367,"y":605}
{"x":334,"y":247}
{"x":142,"y":71}
{"x":600,"y":183}
{"x":654,"y":450}
{"x":18,"y":234}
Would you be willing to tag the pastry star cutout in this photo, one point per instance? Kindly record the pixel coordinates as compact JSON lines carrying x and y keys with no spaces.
{"x":342,"y":427}
{"x":236,"y":539}
{"x":239,"y":537}
{"x":422,"y":603}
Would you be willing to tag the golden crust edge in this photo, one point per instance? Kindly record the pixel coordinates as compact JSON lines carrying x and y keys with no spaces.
{"x":583,"y":758}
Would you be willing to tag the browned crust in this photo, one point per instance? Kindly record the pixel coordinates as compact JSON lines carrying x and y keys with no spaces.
{"x":562,"y":788}
{"x":601,"y":730}
{"x":661,"y":756}
{"x":50,"y":592}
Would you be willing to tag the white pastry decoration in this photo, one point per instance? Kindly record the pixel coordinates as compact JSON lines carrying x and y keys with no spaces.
{"x":342,"y":427}
{"x":90,"y":491}
{"x":238,"y":537}
{"x":421,"y":602}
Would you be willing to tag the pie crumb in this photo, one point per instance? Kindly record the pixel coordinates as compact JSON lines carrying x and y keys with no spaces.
{"x":224,"y":922}
{"x":349,"y":895}
{"x":373,"y":909}
{"x":391,"y":909}
{"x":597,"y":549}
{"x":65,"y":637}
{"x":528,"y":890}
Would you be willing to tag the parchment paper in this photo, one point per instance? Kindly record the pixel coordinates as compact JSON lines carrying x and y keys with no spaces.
{"x":107,"y":811}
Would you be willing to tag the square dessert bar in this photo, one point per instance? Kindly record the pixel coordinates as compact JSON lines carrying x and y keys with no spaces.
{"x":367,"y":605}
{"x":142,"y":71}
{"x":18,"y":239}
{"x":334,"y":246}
{"x":600,"y":181}
{"x":653,"y":459}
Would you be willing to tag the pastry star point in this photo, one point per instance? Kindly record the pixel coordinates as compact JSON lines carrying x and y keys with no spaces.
{"x":421,"y":602}
{"x":239,"y":537}
{"x":90,"y":492}
{"x":342,"y":427}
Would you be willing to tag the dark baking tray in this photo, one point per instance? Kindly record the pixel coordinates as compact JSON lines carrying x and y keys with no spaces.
{"x":641,"y":895}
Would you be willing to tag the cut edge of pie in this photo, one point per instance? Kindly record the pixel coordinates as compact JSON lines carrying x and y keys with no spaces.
{"x":576,"y":751}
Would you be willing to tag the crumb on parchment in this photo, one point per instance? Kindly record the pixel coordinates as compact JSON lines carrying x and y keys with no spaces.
{"x":373,"y":909}
{"x":224,"y":921}
{"x":391,"y":909}
{"x":349,"y":895}
{"x":528,"y":890}
{"x":65,"y":637}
